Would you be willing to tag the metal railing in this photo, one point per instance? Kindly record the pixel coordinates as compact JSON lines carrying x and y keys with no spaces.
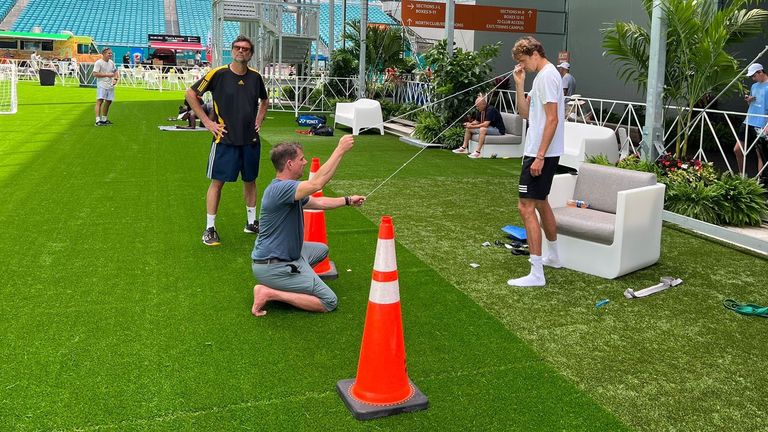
{"x":713,"y":134}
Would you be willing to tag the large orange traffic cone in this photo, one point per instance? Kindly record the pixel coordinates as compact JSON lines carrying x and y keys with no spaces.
{"x":314,"y":231}
{"x":382,"y":386}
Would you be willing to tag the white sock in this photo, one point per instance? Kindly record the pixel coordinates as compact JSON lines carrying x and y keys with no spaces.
{"x":534,"y":278}
{"x":98,"y":119}
{"x":553,"y":256}
{"x":103,"y":118}
{"x":251,"y":214}
{"x":552,"y":251}
{"x":211,"y":220}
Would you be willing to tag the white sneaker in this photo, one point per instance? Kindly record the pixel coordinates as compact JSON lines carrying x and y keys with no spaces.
{"x":475,"y":155}
{"x":551,"y":262}
{"x":527,"y":281}
{"x":460,"y":150}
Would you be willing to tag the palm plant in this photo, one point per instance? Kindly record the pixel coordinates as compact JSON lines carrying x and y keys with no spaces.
{"x":697,"y":63}
{"x":384,"y":45}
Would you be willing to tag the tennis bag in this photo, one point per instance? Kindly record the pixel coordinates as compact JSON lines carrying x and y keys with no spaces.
{"x":321,"y":130}
{"x":310,"y":120}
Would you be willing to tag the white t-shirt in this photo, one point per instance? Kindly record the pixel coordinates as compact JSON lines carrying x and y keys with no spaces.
{"x":547,"y":88}
{"x":102,"y":66}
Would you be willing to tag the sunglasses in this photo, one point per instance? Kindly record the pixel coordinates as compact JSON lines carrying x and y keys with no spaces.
{"x":241,"y":48}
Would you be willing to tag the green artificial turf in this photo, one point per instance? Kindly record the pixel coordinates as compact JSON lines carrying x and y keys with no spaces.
{"x":114,"y":316}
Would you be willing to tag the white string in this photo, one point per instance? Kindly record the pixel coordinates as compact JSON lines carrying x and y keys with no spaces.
{"x":441,"y":133}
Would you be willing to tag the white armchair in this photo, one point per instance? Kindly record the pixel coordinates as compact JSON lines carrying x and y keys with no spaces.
{"x":621,"y":233}
{"x":360,"y":114}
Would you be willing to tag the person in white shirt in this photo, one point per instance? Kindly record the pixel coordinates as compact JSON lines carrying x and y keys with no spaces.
{"x":569,"y":82}
{"x":544,"y":107}
{"x":106,"y":75}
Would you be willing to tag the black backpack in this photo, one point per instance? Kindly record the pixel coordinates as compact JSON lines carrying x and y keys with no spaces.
{"x":321,"y":130}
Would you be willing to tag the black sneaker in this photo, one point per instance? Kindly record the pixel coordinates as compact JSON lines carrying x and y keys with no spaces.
{"x":107,"y":122}
{"x":211,"y":237}
{"x":252,"y":228}
{"x":100,"y":123}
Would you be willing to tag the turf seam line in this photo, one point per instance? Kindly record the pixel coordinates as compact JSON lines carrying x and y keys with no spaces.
{"x":181,"y":414}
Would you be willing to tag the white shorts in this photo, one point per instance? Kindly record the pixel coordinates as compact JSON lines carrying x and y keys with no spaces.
{"x":106,"y":94}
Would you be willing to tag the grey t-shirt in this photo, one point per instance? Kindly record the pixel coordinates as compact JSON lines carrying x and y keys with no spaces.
{"x":569,"y":84}
{"x":281,"y":224}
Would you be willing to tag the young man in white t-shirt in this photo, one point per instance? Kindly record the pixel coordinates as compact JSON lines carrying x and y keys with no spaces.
{"x":544,"y":107}
{"x":106,"y":75}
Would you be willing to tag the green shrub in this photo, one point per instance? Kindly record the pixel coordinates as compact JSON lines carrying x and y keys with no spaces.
{"x":452,"y":137}
{"x":288,"y":92}
{"x":388,"y":109}
{"x":635,"y":163}
{"x":742,"y":201}
{"x":598,"y":159}
{"x":407,"y":108}
{"x":428,"y":127}
{"x":332,"y":103}
{"x":695,"y":200}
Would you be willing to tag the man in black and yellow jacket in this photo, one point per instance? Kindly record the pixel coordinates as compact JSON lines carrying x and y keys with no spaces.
{"x":239,"y":105}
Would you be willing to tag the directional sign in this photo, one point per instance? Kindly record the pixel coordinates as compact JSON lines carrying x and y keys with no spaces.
{"x":470,"y":17}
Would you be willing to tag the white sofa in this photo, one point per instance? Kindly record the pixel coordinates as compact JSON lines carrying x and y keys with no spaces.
{"x":621,"y":233}
{"x":511,"y":144}
{"x":583,"y":140}
{"x":360,"y":114}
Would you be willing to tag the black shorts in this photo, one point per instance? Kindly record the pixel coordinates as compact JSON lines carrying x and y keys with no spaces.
{"x":226,"y":161}
{"x":751,"y":136}
{"x":537,"y":187}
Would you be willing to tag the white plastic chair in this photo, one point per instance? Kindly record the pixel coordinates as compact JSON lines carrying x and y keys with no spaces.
{"x":360,"y":114}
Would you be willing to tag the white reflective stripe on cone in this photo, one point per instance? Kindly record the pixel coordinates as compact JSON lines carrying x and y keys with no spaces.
{"x":312,"y":211}
{"x":384,"y":292}
{"x":385,"y":256}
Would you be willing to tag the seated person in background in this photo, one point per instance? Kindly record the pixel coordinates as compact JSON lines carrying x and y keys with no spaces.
{"x":487,"y":122}
{"x":186,"y":113}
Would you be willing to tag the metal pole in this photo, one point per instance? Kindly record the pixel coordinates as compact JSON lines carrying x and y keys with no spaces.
{"x":332,"y":28}
{"x":217,"y":33}
{"x":450,"y":7}
{"x":343,"y":23}
{"x":363,"y":32}
{"x":653,"y":132}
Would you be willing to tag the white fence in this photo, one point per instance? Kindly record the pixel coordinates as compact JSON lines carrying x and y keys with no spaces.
{"x":713,"y":133}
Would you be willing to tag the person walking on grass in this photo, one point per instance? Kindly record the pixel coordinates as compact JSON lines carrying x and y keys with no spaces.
{"x":107,"y":76}
{"x":545,"y":110}
{"x":282,"y":260}
{"x":240,"y":105}
{"x":487,"y":121}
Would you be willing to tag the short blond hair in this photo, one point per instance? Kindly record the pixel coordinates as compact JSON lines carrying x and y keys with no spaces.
{"x":527,"y":45}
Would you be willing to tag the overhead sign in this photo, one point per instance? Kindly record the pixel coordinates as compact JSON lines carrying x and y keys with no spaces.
{"x":470,"y":17}
{"x":172,"y":38}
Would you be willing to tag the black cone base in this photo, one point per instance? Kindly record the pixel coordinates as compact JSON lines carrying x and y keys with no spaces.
{"x":364,"y":411}
{"x":330,"y":274}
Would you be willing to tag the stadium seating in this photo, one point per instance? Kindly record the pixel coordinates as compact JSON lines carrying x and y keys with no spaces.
{"x":128,"y":23}
{"x":108,"y":22}
{"x":5,"y":7}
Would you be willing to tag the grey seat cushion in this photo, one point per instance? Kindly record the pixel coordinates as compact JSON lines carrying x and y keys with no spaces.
{"x":599,"y":185}
{"x":501,"y":139}
{"x":585,"y":224}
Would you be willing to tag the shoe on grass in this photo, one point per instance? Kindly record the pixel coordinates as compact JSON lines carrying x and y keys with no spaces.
{"x":460,"y":150}
{"x":211,"y":237}
{"x":100,"y":123}
{"x":107,"y":122}
{"x":252,"y":228}
{"x":475,"y":155}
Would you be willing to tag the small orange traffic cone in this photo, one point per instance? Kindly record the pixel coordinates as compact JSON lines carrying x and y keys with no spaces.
{"x":314,"y":231}
{"x":382,"y":386}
